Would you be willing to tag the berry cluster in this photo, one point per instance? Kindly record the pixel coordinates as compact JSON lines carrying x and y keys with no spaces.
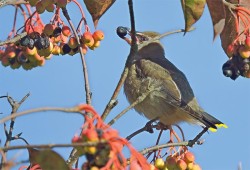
{"x":44,"y":40}
{"x":33,"y":49}
{"x":239,"y":60}
{"x":48,"y":5}
{"x":98,"y":155}
{"x":107,"y":151}
{"x":184,"y":161}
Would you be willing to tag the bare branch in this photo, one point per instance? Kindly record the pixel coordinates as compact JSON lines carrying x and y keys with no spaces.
{"x":137,"y":101}
{"x":15,"y":106}
{"x":42,"y":109}
{"x":14,"y":39}
{"x":145,"y":43}
{"x":11,"y":2}
{"x":84,"y":65}
{"x":49,"y":146}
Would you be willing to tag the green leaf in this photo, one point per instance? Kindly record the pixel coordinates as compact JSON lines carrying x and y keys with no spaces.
{"x":97,"y":8}
{"x":47,"y":159}
{"x":193,"y":10}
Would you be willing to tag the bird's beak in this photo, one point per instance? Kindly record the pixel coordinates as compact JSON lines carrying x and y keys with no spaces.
{"x":122,"y":32}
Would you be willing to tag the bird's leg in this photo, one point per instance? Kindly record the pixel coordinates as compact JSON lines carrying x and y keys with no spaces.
{"x":192,"y":142}
{"x":148,"y":127}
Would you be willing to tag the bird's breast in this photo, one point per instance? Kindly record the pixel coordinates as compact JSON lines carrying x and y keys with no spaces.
{"x":155,"y":105}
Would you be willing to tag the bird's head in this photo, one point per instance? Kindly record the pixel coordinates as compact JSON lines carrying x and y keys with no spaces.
{"x":122,"y":32}
{"x":152,"y":51}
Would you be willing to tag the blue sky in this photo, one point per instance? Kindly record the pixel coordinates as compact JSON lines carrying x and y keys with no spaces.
{"x":60,"y":83}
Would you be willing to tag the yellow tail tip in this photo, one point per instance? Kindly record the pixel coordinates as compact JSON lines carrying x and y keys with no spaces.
{"x":218,"y":126}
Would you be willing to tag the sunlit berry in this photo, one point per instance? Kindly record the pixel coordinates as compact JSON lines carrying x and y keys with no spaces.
{"x":98,"y":35}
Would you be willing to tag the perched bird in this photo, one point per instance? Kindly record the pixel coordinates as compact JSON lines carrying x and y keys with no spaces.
{"x":171,"y":99}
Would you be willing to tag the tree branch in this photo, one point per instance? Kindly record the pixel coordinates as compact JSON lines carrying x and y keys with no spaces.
{"x":15,"y":106}
{"x":49,"y":146}
{"x":14,"y":39}
{"x":42,"y":109}
{"x":84,"y":65}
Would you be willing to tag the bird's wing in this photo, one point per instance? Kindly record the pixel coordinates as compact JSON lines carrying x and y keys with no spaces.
{"x":171,"y":89}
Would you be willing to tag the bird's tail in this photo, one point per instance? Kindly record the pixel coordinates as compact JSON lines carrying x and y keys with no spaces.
{"x":212,"y":123}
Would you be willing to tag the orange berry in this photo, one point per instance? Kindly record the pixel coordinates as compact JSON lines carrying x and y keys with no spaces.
{"x":66,"y":31}
{"x":72,"y":42}
{"x":98,"y":35}
{"x":189,"y":157}
{"x":41,"y":62}
{"x":87,"y":39}
{"x":181,"y":164}
{"x":11,"y":54}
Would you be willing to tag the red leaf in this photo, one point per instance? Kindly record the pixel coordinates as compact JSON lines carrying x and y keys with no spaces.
{"x":97,"y":8}
{"x":229,"y":33}
{"x":217,"y":12}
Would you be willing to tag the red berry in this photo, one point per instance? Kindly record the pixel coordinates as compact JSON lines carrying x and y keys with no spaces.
{"x":66,"y":31}
{"x":247,"y":42}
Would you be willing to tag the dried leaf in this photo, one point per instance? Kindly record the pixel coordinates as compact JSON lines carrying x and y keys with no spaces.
{"x":47,"y":159}
{"x":97,"y":8}
{"x":229,"y":32}
{"x":193,"y":10}
{"x":217,"y":12}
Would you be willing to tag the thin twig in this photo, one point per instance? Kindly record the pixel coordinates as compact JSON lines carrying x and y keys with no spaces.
{"x":84,"y":65}
{"x":112,"y":102}
{"x":73,"y":157}
{"x":15,"y":106}
{"x":145,"y":43}
{"x":14,"y":39}
{"x":157,"y":147}
{"x":42,"y":109}
{"x":137,"y":101}
{"x":49,"y":146}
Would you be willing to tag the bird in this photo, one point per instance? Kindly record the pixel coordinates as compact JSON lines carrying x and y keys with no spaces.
{"x":171,"y":99}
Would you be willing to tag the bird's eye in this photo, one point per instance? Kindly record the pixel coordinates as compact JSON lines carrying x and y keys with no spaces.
{"x":141,"y":38}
